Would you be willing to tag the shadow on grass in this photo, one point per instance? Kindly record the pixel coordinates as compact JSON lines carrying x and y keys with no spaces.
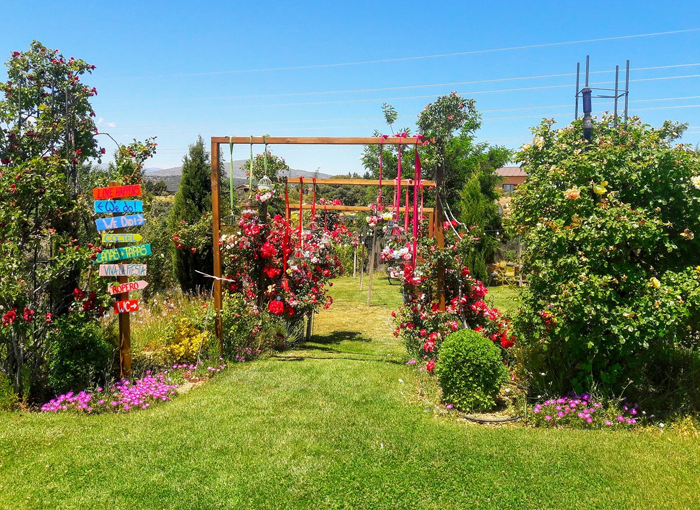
{"x":337,"y":337}
{"x":282,"y":357}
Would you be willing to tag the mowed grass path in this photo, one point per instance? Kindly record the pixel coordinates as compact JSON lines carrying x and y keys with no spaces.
{"x":331,"y":425}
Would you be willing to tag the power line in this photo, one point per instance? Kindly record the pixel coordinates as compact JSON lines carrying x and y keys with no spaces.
{"x":468,"y":93}
{"x":424,"y":57}
{"x":408,"y":87}
{"x":130,"y":129}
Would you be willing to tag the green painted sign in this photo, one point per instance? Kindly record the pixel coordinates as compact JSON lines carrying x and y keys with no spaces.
{"x":127,"y":252}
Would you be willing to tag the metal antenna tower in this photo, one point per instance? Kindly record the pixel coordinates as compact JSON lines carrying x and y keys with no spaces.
{"x":586,"y":94}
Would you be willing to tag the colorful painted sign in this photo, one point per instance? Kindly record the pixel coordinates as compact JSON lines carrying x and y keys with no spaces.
{"x":123,"y":270}
{"x":127,"y":287}
{"x":132,"y":305}
{"x":127,"y":252}
{"x":118,"y":206}
{"x":130,"y":220}
{"x":133,"y":190}
{"x":121,"y":238}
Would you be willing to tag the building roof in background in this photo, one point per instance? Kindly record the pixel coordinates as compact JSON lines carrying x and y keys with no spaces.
{"x":510,"y":171}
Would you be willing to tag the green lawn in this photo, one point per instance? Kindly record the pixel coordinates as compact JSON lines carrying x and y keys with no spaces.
{"x":341,"y":422}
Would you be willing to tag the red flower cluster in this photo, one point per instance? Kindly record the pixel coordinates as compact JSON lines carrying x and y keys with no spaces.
{"x":276,"y":307}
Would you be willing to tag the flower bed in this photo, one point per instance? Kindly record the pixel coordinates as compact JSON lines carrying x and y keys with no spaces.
{"x":127,"y":396}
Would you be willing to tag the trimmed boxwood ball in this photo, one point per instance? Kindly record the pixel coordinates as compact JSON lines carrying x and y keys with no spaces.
{"x":470,"y":370}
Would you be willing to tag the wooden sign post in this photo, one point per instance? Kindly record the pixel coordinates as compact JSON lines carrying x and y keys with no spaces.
{"x":120,"y":220}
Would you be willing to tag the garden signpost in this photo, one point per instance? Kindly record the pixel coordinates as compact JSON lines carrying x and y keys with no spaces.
{"x":105,"y":203}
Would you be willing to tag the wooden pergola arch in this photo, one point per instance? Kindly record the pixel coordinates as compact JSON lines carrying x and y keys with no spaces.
{"x":435,"y":216}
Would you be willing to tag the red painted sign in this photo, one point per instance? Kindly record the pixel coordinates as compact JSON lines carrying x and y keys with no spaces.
{"x":127,"y":287}
{"x":132,"y":305}
{"x":132,"y":190}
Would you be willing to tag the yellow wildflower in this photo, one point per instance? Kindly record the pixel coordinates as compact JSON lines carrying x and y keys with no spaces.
{"x":653,"y":282}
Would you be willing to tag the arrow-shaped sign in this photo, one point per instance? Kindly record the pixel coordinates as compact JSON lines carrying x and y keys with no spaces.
{"x":118,"y":206}
{"x":133,"y":190}
{"x":123,"y":269}
{"x":127,"y":287}
{"x":127,"y":252}
{"x":121,"y":238}
{"x":132,"y":305}
{"x":131,"y":220}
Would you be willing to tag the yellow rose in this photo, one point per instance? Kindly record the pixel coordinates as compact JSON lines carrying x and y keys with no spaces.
{"x":653,"y":282}
{"x":572,"y":193}
{"x":600,"y":189}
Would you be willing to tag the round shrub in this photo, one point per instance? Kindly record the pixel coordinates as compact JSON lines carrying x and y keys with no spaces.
{"x":470,"y":370}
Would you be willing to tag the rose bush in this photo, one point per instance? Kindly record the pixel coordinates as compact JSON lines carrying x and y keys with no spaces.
{"x":275,"y":272}
{"x":420,"y":322}
{"x":610,"y":252}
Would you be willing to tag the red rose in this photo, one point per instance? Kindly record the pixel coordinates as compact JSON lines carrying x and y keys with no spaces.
{"x":430,"y":366}
{"x":276,"y":307}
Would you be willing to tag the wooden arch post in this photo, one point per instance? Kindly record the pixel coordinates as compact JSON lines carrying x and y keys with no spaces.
{"x":216,"y":141}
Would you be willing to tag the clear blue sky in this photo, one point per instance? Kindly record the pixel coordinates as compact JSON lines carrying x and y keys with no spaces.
{"x":178,"y":69}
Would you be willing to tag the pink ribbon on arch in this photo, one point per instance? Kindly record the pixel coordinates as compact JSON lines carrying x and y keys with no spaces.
{"x":416,"y":183}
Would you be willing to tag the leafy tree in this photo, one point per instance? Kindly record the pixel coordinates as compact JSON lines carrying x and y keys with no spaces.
{"x":157,"y":188}
{"x":610,"y":234}
{"x":192,"y":201}
{"x":47,"y":137}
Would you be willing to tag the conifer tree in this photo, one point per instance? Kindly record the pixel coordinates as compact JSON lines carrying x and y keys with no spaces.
{"x":192,"y":202}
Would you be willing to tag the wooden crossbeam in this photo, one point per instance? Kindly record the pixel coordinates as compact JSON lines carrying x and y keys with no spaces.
{"x":358,"y":182}
{"x":320,"y":140}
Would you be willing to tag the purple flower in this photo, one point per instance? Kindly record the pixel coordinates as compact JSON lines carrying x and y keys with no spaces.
{"x":547,"y":417}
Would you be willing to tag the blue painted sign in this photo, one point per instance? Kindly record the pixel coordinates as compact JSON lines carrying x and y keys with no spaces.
{"x":127,"y":252}
{"x":131,"y":220}
{"x":118,"y":206}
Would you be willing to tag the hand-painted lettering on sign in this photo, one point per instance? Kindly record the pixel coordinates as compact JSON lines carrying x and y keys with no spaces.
{"x":118,"y":206}
{"x":123,"y":270}
{"x":121,"y":238}
{"x":132,"y":305}
{"x":127,"y":252}
{"x":127,"y":287}
{"x":133,"y":190}
{"x":131,"y":220}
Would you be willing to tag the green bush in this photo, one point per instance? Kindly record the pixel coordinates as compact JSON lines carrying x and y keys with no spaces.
{"x":78,"y":354}
{"x":611,"y":235}
{"x":470,"y":370}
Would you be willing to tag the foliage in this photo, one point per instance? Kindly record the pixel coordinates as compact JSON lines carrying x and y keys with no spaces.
{"x":46,"y":133}
{"x":446,"y":115}
{"x":156,"y":187}
{"x":584,"y":411}
{"x":47,"y":237}
{"x":267,"y":165}
{"x":192,"y":202}
{"x":186,"y":342}
{"x":125,"y":396}
{"x":420,"y":321}
{"x":470,"y":370}
{"x":78,"y":353}
{"x":610,"y":251}
{"x":157,"y":233}
{"x":255,"y":259}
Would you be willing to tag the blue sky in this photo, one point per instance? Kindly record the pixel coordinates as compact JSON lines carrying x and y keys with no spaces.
{"x":178,"y":69}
